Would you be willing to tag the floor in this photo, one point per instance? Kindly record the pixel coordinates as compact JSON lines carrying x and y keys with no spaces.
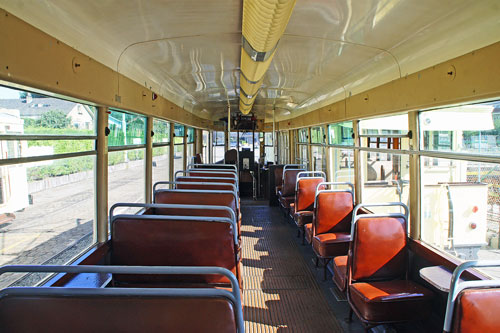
{"x":283,"y":291}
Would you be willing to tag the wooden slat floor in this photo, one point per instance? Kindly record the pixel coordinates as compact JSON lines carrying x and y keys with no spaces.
{"x":279,"y":292}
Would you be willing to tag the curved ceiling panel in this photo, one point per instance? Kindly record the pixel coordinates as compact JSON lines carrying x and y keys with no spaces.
{"x":189,"y":50}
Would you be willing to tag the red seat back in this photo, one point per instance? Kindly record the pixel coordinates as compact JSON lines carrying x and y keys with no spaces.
{"x":333,"y":212}
{"x":204,"y":179}
{"x":379,"y":248}
{"x":289,"y":180}
{"x":80,"y":314}
{"x":211,"y":174}
{"x":193,"y":198}
{"x":206,"y":186}
{"x":139,"y":241}
{"x":306,"y":192}
{"x":477,"y":310}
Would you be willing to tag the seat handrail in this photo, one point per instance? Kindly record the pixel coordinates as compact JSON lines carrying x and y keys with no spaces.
{"x":234,"y":295}
{"x":318,"y":191}
{"x":294,"y":166}
{"x":356,"y":218}
{"x":216,"y":166}
{"x":235,"y":194}
{"x":194,"y":183}
{"x":182,"y":206}
{"x":285,"y":171}
{"x":456,"y":286}
{"x":186,"y":172}
{"x":308,"y":175}
{"x":180,"y":218}
{"x":381,"y":204}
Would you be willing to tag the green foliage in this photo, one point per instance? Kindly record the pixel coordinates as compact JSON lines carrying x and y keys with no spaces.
{"x":61,"y":168}
{"x":54,"y":119}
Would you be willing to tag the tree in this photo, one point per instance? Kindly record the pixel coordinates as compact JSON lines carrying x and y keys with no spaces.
{"x":54,"y":119}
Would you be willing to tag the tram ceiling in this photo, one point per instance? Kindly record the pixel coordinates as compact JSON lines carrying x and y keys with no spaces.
{"x":190,"y":54}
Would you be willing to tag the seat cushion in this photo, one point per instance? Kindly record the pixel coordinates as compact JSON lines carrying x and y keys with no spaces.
{"x":302,"y":218}
{"x":340,"y":272}
{"x":309,"y":232}
{"x":331,"y":245}
{"x":390,"y":301}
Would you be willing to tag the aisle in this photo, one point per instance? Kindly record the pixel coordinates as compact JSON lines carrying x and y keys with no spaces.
{"x":279,"y":293}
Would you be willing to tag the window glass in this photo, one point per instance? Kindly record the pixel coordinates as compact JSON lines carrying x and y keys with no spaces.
{"x":190,"y":152}
{"x":161,"y":164}
{"x":126,"y":129}
{"x":48,"y":214}
{"x":46,"y":207}
{"x":268,"y":138}
{"x":126,"y":178}
{"x":473,"y":129}
{"x":341,"y":134}
{"x":302,"y":135}
{"x":342,"y":165}
{"x":205,"y":142}
{"x":161,"y":131}
{"x":319,"y":158}
{"x":302,"y":155}
{"x":461,"y":207}
{"x":178,"y":157}
{"x":218,"y":142}
{"x":318,"y":135}
{"x":190,"y":135}
{"x":377,"y":128}
{"x":233,"y":140}
{"x":385,"y":177}
{"x":30,"y":113}
{"x":179,"y":132}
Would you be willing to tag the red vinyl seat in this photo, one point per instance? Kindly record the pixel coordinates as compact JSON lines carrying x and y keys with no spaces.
{"x":477,"y":310}
{"x":287,"y":193}
{"x":302,"y":210}
{"x":332,"y":225}
{"x":378,"y":287}
{"x":278,"y":178}
{"x":308,"y":230}
{"x":340,"y":272}
{"x":139,"y":241}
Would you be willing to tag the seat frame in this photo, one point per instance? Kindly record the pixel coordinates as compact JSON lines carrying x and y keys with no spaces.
{"x":326,"y":260}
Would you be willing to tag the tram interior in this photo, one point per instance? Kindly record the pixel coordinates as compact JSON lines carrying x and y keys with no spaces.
{"x":250,"y":166}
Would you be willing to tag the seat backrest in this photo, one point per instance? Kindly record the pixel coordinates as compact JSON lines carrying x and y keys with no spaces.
{"x":289,"y":182}
{"x":205,"y":186}
{"x":197,"y":159}
{"x":211,"y":174}
{"x":206,"y":179}
{"x":476,"y":310}
{"x":378,"y":250}
{"x":197,"y":198}
{"x":278,"y":175}
{"x":142,"y":241}
{"x":333,"y":212}
{"x":306,"y":190}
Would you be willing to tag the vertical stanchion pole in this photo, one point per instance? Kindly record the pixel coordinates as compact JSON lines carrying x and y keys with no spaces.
{"x":101,"y":177}
{"x":148,"y":177}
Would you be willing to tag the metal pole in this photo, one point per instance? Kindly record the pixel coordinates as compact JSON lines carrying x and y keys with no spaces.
{"x":101,"y":177}
{"x":172,"y":153}
{"x":149,"y":161}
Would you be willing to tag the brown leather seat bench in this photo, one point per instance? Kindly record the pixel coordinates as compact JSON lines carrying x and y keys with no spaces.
{"x":286,"y":195}
{"x":200,"y":197}
{"x":45,"y":309}
{"x":473,"y":306}
{"x":173,"y":240}
{"x":332,"y":222}
{"x":378,"y":288}
{"x":305,"y":191}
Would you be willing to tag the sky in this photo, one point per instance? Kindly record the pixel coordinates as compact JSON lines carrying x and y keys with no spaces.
{"x":6,"y":93}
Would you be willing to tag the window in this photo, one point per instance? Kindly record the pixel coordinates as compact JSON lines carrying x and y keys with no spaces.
{"x":47,"y":205}
{"x":205,"y":154}
{"x":317,"y":135}
{"x":303,"y":136}
{"x":269,"y":147}
{"x":284,"y":148}
{"x":161,"y":151}
{"x":179,"y":136}
{"x":460,"y":193}
{"x":341,"y":134}
{"x":384,"y":170}
{"x":126,"y":163}
{"x":302,"y":155}
{"x":218,"y":145}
